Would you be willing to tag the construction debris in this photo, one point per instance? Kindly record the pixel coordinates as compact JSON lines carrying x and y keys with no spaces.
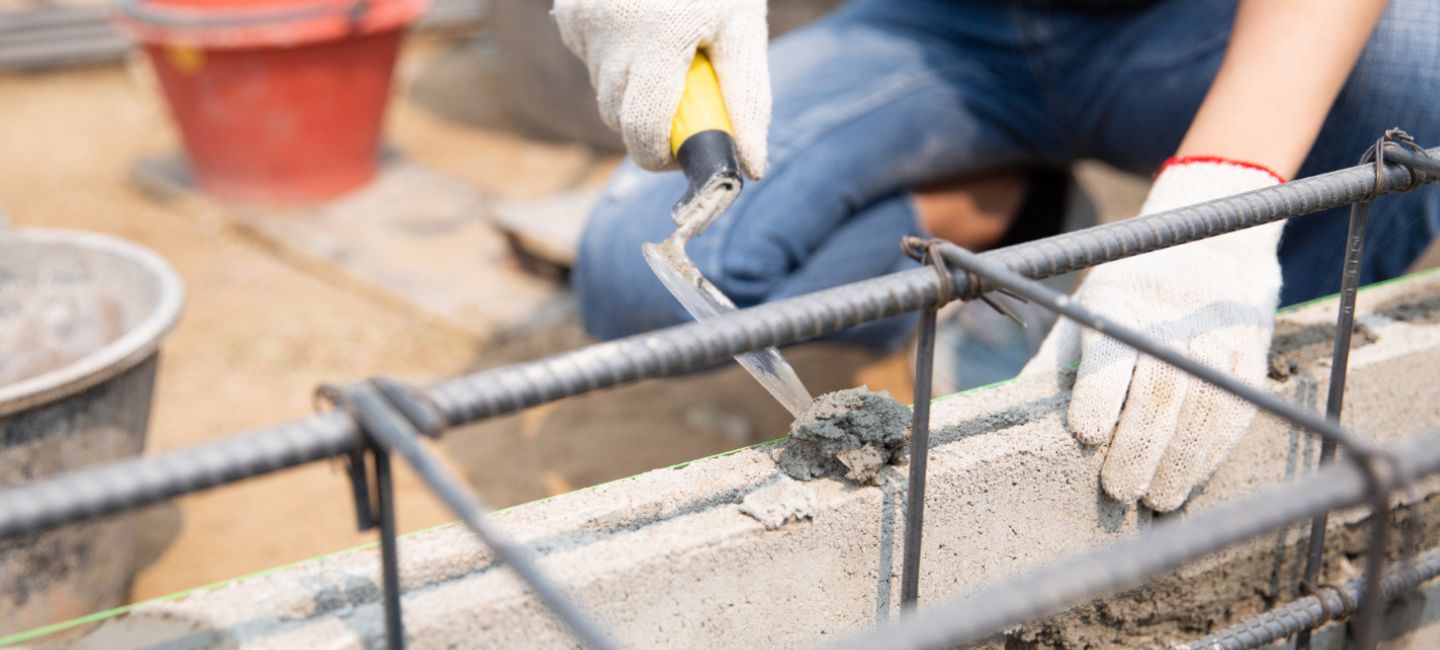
{"x":780,"y":502}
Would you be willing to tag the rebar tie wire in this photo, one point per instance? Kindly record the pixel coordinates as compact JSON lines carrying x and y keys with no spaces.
{"x":1344,"y":600}
{"x":390,"y":417}
{"x":375,"y":420}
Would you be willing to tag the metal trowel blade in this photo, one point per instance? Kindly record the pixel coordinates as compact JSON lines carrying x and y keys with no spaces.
{"x":699,"y":297}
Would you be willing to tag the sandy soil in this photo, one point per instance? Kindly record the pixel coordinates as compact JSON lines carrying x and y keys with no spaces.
{"x":255,"y":338}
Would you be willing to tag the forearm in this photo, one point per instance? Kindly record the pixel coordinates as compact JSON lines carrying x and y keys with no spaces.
{"x":1286,"y":62}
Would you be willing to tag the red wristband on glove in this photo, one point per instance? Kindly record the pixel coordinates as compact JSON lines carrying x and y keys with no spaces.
{"x":1186,"y":160}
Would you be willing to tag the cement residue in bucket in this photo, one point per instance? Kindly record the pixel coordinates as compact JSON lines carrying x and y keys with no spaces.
{"x":52,"y":316}
{"x":853,"y":433}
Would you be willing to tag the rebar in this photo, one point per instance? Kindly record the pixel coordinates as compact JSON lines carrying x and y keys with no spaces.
{"x":392,"y":431}
{"x":919,"y":460}
{"x":1165,"y":547}
{"x":1335,"y":399}
{"x":1326,"y":604}
{"x":1340,"y":360}
{"x":672,"y":351}
{"x":389,"y":550}
{"x":987,"y":276}
{"x":128,"y":484}
{"x":1376,"y":465}
{"x":679,"y":349}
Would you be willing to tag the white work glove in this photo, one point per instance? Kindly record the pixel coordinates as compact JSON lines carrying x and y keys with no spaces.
{"x":638,"y":52}
{"x":1214,"y":300}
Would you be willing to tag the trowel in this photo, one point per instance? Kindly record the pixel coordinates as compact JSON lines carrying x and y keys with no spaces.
{"x":701,"y":140}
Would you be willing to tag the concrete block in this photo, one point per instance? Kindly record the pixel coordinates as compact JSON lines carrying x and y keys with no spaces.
{"x":668,"y":558}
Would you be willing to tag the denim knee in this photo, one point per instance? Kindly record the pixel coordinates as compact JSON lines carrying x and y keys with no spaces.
{"x":617,"y":292}
{"x":1386,"y":89}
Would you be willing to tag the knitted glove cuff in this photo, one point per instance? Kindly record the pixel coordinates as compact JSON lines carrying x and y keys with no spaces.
{"x":1187,"y":180}
{"x":1176,"y":161}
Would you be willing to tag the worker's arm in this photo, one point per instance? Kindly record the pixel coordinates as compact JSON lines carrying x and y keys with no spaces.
{"x":1215,"y":299}
{"x":638,"y":52}
{"x":1286,"y":62}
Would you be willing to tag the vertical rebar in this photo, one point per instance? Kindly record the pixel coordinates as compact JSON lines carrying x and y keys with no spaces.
{"x":1339,"y":364}
{"x":919,"y":454}
{"x":388,"y":429}
{"x":389,"y":550}
{"x":1372,"y":604}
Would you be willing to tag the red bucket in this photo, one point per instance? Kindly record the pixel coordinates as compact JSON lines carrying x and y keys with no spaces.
{"x":278,"y":101}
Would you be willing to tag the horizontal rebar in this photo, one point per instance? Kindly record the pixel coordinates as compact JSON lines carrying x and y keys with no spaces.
{"x":672,"y":351}
{"x":1073,"y":251}
{"x":1327,"y":604}
{"x":1128,"y":562}
{"x":997,"y":277}
{"x":140,"y":481}
{"x":679,"y":349}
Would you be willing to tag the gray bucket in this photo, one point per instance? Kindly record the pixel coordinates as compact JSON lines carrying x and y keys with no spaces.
{"x":81,"y":320}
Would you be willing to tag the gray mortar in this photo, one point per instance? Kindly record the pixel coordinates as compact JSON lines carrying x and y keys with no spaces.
{"x":1185,"y":605}
{"x":853,"y":433}
{"x":780,"y":503}
{"x":1417,"y":307}
{"x":1295,"y":345}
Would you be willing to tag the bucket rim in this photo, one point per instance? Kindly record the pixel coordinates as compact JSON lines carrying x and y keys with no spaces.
{"x":115,"y":357}
{"x":183,"y":16}
{"x":231,"y":27}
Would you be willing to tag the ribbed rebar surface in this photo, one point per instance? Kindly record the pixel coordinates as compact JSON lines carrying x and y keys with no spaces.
{"x":1128,"y":562}
{"x":676,"y":350}
{"x":1318,"y":609}
{"x":680,"y":349}
{"x":666,"y":352}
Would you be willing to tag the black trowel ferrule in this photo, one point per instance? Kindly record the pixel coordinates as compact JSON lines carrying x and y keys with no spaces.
{"x":709,"y":161}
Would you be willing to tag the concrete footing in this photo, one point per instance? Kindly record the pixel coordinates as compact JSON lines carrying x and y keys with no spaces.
{"x":669,"y":559}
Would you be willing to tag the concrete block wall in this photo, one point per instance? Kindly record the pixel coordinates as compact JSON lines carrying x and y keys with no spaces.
{"x":670,"y":559}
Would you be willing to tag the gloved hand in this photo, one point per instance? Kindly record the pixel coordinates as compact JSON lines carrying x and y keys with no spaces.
{"x":1213,"y":300}
{"x":639,"y":50}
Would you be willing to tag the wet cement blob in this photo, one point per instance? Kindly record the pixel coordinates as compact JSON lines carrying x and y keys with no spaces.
{"x":853,"y":433}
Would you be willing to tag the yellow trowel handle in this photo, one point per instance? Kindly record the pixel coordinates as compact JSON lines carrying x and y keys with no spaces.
{"x":702,"y":108}
{"x":700,"y":135}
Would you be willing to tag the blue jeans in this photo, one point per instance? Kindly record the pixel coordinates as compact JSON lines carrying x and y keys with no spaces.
{"x":885,"y":95}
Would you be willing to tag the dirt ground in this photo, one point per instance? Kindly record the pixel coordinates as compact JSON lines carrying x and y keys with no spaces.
{"x":259,"y":333}
{"x":255,"y":339}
